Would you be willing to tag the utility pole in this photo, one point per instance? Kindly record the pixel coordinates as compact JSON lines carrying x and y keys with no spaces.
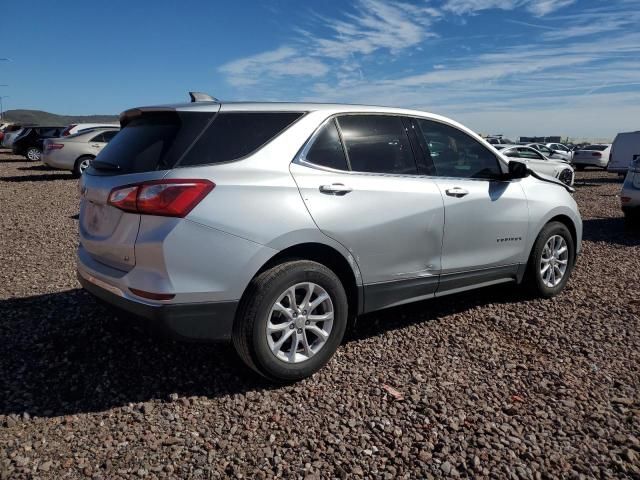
{"x":1,"y":109}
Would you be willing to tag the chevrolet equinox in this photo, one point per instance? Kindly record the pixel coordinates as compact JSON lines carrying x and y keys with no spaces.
{"x":274,"y":225}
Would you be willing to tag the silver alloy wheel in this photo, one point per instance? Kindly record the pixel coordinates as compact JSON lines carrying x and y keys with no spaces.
{"x":33,"y":154}
{"x":300,"y":322}
{"x":554,"y":261}
{"x":84,"y":164}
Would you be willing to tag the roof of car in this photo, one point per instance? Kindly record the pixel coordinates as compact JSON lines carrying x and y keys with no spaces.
{"x":285,"y":107}
{"x":504,"y":146}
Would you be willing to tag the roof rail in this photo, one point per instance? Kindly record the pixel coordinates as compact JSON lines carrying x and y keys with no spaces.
{"x":202,"y":97}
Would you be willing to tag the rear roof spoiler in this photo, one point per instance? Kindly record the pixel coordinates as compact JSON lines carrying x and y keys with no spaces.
{"x":202,"y":97}
{"x":196,"y":97}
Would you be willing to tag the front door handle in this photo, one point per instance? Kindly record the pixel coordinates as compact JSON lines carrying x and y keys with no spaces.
{"x":335,"y":189}
{"x":456,"y":192}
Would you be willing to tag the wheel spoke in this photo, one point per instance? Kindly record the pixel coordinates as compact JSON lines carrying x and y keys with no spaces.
{"x":278,"y":307}
{"x":305,"y":344}
{"x":562,"y":250}
{"x":320,"y":318}
{"x":291,"y":295}
{"x":545,"y":269}
{"x":276,"y":327}
{"x":305,"y":301}
{"x":318,"y":301}
{"x":278,"y":345}
{"x":294,"y":346}
{"x":318,"y":332}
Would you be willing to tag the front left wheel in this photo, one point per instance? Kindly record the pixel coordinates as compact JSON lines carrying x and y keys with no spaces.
{"x":291,"y":320}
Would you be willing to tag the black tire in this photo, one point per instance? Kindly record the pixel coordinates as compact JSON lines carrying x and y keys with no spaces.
{"x":249,"y":337}
{"x":533,"y":275}
{"x":33,"y":154}
{"x":76,"y":166}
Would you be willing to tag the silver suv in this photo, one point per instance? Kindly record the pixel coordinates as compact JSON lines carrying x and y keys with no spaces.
{"x":274,"y":225}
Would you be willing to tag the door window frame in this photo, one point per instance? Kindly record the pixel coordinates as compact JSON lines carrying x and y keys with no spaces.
{"x":301,"y":157}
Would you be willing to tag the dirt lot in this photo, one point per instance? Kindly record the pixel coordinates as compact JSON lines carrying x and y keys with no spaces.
{"x":495,"y":384}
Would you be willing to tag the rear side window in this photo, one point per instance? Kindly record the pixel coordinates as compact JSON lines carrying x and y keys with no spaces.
{"x":327,"y":150}
{"x":108,"y":136}
{"x":98,"y":138}
{"x":169,"y":139}
{"x":377,"y":144}
{"x":456,"y":154}
{"x":235,"y":135}
{"x":525,"y":152}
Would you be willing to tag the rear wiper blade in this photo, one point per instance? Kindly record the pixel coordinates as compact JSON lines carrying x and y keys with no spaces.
{"x":104,"y":165}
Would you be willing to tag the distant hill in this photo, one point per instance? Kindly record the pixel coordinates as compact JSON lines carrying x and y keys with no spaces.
{"x":39,"y":117}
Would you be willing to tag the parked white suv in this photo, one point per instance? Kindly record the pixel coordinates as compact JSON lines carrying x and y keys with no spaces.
{"x":275,"y":224}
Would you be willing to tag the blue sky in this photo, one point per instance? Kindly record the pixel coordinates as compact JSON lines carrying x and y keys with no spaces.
{"x":569,"y":67}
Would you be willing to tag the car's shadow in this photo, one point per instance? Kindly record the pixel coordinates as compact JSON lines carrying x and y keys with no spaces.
{"x":595,"y":181}
{"x":37,"y":178}
{"x":64,"y":353}
{"x":38,"y":168}
{"x":612,"y":230}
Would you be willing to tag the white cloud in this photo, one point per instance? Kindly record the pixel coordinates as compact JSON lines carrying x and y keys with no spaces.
{"x":537,"y":7}
{"x":274,"y":64}
{"x":562,"y":72}
{"x":376,"y":25}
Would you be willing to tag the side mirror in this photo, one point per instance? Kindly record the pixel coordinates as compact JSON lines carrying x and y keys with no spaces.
{"x":517,"y":170}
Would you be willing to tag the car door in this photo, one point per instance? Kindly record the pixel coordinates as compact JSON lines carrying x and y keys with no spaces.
{"x":546,"y":151}
{"x":97,"y":143}
{"x":486,"y":216}
{"x":359,"y":180}
{"x":536,"y":161}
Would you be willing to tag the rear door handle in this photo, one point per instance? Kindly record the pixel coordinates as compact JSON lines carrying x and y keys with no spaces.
{"x":456,"y":192}
{"x":335,"y":189}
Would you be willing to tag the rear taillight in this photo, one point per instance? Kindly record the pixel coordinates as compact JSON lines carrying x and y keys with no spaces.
{"x":168,"y":198}
{"x":596,"y":154}
{"x":53,"y":146}
{"x":67,"y":131}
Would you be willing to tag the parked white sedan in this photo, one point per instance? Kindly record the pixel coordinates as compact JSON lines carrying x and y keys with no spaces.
{"x":537,"y":162}
{"x":592,"y":155}
{"x":562,"y":154}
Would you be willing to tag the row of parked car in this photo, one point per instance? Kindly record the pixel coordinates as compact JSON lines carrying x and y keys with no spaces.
{"x":615,"y":157}
{"x":68,"y":148}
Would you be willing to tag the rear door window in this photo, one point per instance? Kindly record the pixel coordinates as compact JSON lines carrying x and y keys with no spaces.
{"x":377,"y":144}
{"x":98,"y":138}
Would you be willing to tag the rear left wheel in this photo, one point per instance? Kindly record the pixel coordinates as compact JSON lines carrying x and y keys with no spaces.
{"x":291,"y":320}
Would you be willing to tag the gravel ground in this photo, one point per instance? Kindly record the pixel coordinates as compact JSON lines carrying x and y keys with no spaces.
{"x":492,"y":384}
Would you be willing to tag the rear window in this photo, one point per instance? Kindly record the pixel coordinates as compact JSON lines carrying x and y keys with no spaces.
{"x":165,"y":140}
{"x":599,"y":148}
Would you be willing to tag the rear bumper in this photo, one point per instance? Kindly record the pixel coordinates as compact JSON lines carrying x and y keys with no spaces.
{"x":212,"y":321}
{"x":593,"y":161}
